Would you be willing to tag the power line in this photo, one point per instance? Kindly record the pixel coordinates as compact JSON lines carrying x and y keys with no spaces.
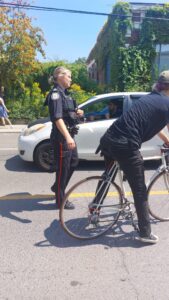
{"x":44,"y":8}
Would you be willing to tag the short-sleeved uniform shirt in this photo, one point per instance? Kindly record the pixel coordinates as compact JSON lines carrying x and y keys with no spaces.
{"x":147,"y":117}
{"x":61,"y":105}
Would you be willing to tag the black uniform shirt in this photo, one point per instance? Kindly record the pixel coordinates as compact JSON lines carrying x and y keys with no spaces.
{"x":147,"y":117}
{"x":61,"y":106}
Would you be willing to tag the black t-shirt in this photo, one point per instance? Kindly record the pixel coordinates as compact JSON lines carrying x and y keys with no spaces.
{"x":147,"y":117}
{"x":61,"y":105}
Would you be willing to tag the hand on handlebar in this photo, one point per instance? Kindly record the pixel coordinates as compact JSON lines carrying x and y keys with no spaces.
{"x":166,"y":145}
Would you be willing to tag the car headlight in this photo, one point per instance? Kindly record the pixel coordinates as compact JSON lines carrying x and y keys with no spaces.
{"x":33,"y":129}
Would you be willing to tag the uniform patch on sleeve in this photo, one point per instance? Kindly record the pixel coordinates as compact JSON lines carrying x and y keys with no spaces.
{"x":55,"y":96}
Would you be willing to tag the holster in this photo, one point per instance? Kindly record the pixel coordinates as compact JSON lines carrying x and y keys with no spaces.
{"x":73,"y":130}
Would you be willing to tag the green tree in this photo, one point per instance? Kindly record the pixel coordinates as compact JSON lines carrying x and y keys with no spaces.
{"x":19,"y":44}
{"x":79,"y":75}
{"x":79,"y":94}
{"x":111,"y":38}
{"x":135,"y":74}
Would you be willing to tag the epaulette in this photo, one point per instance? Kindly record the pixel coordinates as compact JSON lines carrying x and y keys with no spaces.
{"x":54,"y":90}
{"x":54,"y":94}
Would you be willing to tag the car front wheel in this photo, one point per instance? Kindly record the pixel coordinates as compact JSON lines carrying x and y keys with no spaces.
{"x":43,"y":157}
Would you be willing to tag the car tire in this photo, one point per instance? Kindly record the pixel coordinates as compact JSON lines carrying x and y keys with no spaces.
{"x":44,"y":157}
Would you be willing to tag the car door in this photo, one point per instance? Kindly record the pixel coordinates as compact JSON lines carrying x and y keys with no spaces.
{"x":97,"y":121}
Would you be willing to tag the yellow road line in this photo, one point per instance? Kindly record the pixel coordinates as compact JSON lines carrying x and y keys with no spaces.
{"x":73,"y":195}
{"x":159,"y":193}
{"x":80,"y":195}
{"x":26,"y":197}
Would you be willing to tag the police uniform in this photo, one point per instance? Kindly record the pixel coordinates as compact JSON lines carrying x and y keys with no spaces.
{"x":62,"y":106}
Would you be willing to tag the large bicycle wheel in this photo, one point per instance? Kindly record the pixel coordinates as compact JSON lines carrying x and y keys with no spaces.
{"x":89,"y":219}
{"x":158,"y":196}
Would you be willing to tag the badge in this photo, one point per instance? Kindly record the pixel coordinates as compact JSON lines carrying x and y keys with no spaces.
{"x":55,"y":96}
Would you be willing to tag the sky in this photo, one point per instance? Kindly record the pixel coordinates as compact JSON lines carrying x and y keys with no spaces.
{"x":71,"y":36}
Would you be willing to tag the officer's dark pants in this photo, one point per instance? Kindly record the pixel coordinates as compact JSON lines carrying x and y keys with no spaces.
{"x":132,"y":164}
{"x":65,"y":161}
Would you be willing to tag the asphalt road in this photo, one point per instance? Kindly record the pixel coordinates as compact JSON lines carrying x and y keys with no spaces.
{"x":40,"y":261}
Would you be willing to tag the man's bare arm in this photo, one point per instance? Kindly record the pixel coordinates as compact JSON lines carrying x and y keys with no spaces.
{"x":164,"y":137}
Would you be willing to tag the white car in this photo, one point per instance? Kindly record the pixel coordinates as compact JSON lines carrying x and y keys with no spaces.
{"x":34,"y":142}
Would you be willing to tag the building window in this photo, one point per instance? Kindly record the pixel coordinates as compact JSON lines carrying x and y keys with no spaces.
{"x":128,"y":33}
{"x":136,"y":17}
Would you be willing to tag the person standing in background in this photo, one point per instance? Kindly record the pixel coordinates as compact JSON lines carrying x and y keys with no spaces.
{"x":4,"y":113}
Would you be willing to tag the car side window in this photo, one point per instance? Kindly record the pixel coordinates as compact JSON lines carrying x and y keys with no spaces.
{"x":115,"y":108}
{"x":94,"y":110}
{"x":106,"y":108}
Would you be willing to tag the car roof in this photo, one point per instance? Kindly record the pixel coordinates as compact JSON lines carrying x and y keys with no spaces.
{"x":107,"y":95}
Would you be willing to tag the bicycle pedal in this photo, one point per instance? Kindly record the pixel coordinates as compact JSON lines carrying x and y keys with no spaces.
{"x":93,"y":209}
{"x":94,"y":219}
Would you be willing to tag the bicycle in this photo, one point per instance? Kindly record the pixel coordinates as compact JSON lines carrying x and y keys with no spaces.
{"x":100,"y":202}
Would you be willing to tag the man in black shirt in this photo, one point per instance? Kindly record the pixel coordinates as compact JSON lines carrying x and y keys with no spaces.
{"x":64,"y":115}
{"x":122,"y":141}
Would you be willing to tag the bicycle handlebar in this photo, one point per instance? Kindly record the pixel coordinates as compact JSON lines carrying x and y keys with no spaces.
{"x":164,"y":148}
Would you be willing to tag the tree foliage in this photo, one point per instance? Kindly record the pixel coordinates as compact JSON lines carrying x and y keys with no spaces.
{"x":79,"y":75}
{"x":19,"y":44}
{"x":30,"y":100}
{"x":79,"y":94}
{"x":111,"y":38}
{"x":135,"y":74}
{"x":24,"y":78}
{"x":156,"y":28}
{"x":133,"y":67}
{"x":30,"y":104}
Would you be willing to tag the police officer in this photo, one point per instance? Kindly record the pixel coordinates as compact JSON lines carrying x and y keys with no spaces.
{"x":64,"y":115}
{"x":123,"y":139}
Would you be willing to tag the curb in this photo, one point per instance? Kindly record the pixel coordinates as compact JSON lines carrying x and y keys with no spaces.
{"x":14,"y":129}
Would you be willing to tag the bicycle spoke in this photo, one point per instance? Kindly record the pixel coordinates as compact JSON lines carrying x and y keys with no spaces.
{"x":158,"y":197}
{"x":95,"y":210}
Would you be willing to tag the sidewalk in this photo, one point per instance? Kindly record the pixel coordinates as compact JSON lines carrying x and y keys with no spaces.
{"x":16,"y":128}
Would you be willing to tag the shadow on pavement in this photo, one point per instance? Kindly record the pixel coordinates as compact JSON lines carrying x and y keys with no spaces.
{"x":115,"y":237}
{"x":16,"y":203}
{"x":54,"y":235}
{"x":16,"y":164}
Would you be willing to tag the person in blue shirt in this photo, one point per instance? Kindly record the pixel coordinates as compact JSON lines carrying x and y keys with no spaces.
{"x":4,"y":113}
{"x":122,"y":141}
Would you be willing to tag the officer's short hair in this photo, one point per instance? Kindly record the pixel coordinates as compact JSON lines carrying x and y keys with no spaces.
{"x":59,"y":71}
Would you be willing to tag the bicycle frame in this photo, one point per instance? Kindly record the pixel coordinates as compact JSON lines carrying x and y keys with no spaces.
{"x":115,"y":170}
{"x":108,"y":177}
